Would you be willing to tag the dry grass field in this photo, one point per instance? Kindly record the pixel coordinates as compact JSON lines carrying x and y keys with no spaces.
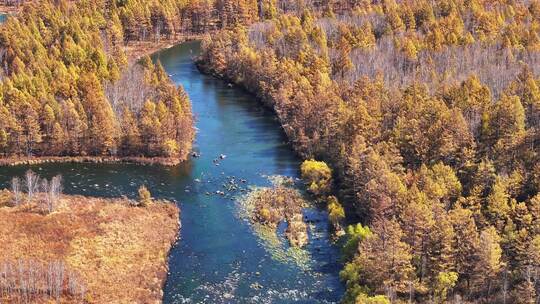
{"x":88,"y":250}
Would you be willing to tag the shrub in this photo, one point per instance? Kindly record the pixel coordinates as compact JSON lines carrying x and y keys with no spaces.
{"x":355,"y":234}
{"x":336,"y":213}
{"x":265,"y":215}
{"x":145,"y":198}
{"x":364,"y":299}
{"x":318,"y":176}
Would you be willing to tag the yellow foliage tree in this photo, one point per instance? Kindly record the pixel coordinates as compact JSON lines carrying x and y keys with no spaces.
{"x":145,"y":198}
{"x":336,"y":213}
{"x":318,"y":176}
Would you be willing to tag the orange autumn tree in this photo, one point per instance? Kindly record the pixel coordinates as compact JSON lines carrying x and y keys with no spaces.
{"x":432,"y":147}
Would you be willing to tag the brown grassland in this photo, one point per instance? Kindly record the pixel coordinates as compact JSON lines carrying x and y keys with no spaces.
{"x":118,"y":251}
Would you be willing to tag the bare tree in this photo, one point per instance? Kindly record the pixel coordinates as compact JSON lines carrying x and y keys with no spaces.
{"x":44,"y":185}
{"x":55,"y":279}
{"x":53,"y":195}
{"x":32,"y":184}
{"x":46,"y":202}
{"x":27,"y":281}
{"x":52,"y":191}
{"x":16,"y":189}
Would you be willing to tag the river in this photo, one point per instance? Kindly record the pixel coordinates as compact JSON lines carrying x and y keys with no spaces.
{"x":219,"y":257}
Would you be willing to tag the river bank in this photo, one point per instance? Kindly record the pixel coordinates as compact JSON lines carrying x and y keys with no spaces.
{"x":9,"y":9}
{"x":135,"y":50}
{"x":98,"y":250}
{"x":19,"y":161}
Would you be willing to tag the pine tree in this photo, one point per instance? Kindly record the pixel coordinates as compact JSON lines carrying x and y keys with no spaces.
{"x":102,"y":129}
{"x":465,"y":243}
{"x":385,"y":259}
{"x":417,"y":224}
{"x":498,"y":207}
{"x":473,"y":99}
{"x":343,"y":63}
{"x":131,"y":140}
{"x":489,"y":258}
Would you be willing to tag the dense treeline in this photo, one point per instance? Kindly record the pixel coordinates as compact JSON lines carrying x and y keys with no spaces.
{"x":144,"y":20}
{"x":428,"y":113}
{"x":57,"y":61}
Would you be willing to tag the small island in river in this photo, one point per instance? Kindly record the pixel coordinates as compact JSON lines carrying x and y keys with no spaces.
{"x":76,"y":249}
{"x":271,"y":206}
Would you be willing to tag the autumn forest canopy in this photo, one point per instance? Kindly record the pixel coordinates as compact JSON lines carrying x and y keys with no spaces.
{"x":67,"y":88}
{"x":428,"y":114}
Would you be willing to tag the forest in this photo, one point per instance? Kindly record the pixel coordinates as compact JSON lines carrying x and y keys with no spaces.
{"x":428,"y":115}
{"x":63,"y":87}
